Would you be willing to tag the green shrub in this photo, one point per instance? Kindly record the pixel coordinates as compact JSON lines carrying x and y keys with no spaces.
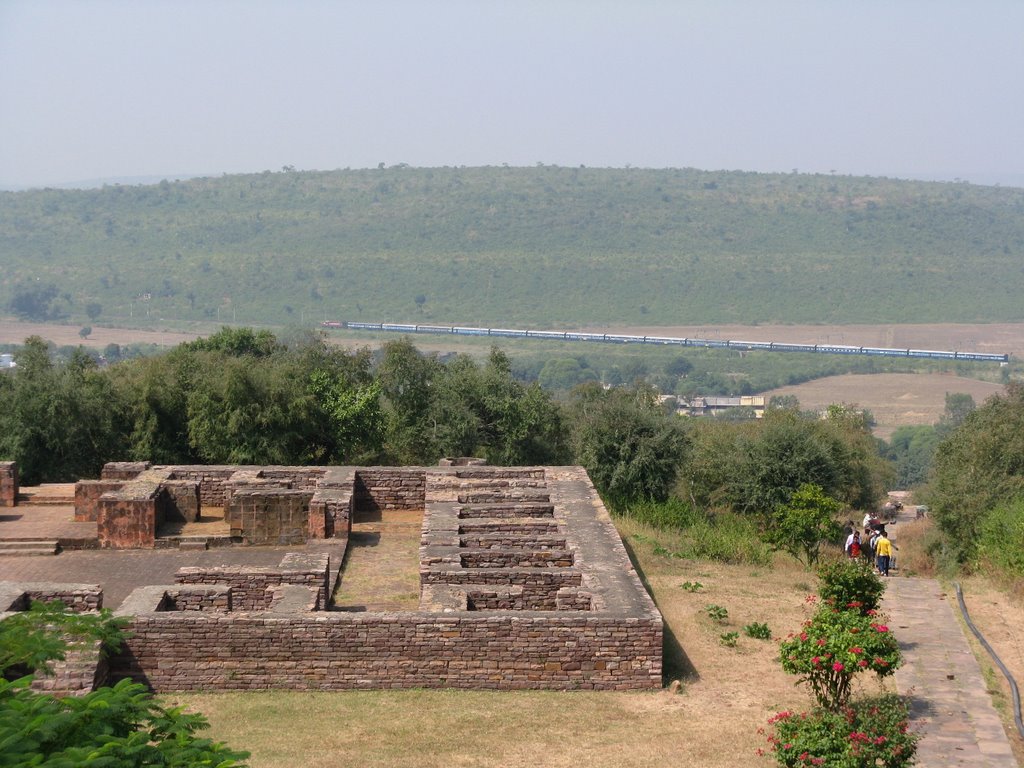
{"x":724,"y":538}
{"x":692,"y":586}
{"x":1001,"y":543}
{"x":866,"y":734}
{"x":836,"y":645}
{"x":850,"y":583}
{"x":673,"y":513}
{"x":758,"y":631}
{"x":729,"y":639}
{"x":717,"y":613}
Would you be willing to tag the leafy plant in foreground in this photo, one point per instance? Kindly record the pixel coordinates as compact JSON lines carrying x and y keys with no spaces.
{"x":866,"y":734}
{"x":120,"y":726}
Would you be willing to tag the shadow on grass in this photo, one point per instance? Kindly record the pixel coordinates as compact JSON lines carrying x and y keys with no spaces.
{"x":675,"y":664}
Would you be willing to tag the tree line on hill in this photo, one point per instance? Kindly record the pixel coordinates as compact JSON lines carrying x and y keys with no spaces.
{"x":246,"y":397}
{"x":544,"y":246}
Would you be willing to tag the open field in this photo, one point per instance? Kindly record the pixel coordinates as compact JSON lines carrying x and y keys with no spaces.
{"x":895,"y":399}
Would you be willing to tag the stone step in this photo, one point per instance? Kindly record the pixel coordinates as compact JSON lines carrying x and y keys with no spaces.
{"x":26,"y":548}
{"x":193,"y":544}
{"x":43,"y":499}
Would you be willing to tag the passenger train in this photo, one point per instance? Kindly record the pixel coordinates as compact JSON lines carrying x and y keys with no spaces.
{"x":614,"y":338}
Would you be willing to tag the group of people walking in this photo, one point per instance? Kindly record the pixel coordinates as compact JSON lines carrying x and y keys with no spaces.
{"x":873,"y":545}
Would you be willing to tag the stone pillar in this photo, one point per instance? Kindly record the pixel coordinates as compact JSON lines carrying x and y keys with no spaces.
{"x":8,"y":483}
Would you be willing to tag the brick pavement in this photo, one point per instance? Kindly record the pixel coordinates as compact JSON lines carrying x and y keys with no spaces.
{"x":949,"y":701}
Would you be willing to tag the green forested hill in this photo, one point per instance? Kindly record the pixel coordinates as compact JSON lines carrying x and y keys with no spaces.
{"x":544,"y":246}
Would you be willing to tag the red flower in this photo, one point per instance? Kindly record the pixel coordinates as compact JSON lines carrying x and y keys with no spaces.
{"x":855,"y":650}
{"x":838,"y":666}
{"x":862,"y":663}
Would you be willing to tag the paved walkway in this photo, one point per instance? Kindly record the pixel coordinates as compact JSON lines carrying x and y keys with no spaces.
{"x":949,"y":702}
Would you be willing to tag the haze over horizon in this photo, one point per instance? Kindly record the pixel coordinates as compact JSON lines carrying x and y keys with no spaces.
{"x":108,"y":89}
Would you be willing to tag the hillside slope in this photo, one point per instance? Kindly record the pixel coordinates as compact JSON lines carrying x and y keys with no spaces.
{"x":525,"y":246}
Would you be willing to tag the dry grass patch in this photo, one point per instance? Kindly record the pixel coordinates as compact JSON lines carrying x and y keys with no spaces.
{"x":726,"y":695}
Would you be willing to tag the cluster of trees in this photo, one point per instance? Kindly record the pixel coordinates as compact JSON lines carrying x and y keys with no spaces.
{"x":976,"y":487}
{"x":248,"y":397}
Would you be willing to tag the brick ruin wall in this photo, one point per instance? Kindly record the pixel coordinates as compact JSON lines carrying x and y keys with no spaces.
{"x":384,"y":488}
{"x":269,"y":516}
{"x":330,"y":651}
{"x":8,"y":483}
{"x":250,"y":585}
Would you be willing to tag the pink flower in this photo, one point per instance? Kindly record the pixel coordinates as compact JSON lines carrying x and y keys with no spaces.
{"x":838,"y":666}
{"x":816,"y":660}
{"x":855,"y":650}
{"x":862,"y":663}
{"x":803,"y":636}
{"x":821,"y":641}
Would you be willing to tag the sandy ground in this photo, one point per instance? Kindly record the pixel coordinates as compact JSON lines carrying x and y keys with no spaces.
{"x":895,"y":399}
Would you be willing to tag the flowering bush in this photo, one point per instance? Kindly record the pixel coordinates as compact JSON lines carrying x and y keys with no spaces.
{"x":850,"y":583}
{"x":869,"y":733}
{"x":833,"y":647}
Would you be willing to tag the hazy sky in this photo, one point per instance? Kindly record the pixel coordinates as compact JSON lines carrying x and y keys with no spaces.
{"x":101,"y":89}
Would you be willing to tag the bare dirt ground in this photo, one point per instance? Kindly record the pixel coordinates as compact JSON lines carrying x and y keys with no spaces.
{"x":895,"y":399}
{"x":14,"y":332}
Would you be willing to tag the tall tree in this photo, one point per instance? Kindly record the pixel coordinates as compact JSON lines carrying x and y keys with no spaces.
{"x":630,"y":447}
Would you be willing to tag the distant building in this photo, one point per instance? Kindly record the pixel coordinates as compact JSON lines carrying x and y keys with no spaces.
{"x":715,"y":406}
{"x":7,"y":360}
